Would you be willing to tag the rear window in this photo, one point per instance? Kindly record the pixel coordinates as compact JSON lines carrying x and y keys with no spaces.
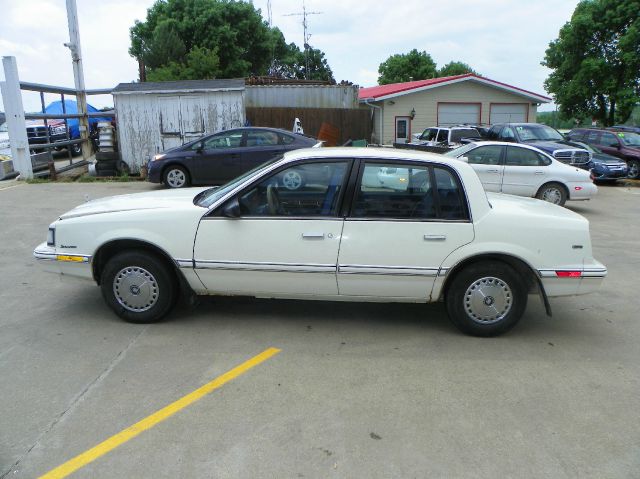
{"x":457,"y":135}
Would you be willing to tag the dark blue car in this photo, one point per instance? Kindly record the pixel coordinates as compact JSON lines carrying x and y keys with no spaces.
{"x":218,"y":158}
{"x":604,"y":167}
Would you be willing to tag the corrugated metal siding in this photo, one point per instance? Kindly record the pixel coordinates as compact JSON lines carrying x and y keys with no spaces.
{"x":301,"y":96}
{"x":150,"y":123}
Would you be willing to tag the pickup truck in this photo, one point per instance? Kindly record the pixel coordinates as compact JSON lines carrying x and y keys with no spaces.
{"x":542,"y":137}
{"x":37,"y":133}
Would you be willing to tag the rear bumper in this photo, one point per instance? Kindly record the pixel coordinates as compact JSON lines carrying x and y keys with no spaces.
{"x":582,"y":191}
{"x":591,"y":277}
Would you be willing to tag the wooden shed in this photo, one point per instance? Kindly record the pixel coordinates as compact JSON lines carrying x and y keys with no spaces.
{"x":155,"y":116}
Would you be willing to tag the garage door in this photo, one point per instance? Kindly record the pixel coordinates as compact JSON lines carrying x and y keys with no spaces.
{"x":458,"y":113}
{"x":515,"y":113}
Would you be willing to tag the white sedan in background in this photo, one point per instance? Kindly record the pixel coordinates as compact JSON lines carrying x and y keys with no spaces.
{"x":438,"y":237}
{"x":524,"y":170}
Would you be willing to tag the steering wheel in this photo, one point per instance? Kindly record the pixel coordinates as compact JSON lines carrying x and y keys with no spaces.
{"x":273,"y":200}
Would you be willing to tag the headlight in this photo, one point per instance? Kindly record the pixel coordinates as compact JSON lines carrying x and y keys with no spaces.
{"x":58,"y":130}
{"x":159,"y":157}
{"x":51,"y":237}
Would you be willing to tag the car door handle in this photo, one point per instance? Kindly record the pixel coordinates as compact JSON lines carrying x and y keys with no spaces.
{"x":539,"y":172}
{"x":493,"y":171}
{"x":435,"y":237}
{"x":235,"y":155}
{"x":312,"y":235}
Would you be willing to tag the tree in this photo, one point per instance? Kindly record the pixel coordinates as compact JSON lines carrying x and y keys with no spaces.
{"x":230,"y":39}
{"x":455,"y":68}
{"x":400,"y":68}
{"x":596,"y":61}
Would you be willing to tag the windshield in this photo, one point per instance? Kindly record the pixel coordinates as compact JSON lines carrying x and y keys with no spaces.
{"x":537,"y":133}
{"x":457,"y":135}
{"x":460,"y":151}
{"x":629,"y":139}
{"x":208,"y":197}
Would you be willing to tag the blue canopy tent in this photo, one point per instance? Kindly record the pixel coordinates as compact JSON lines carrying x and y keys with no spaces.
{"x":72,"y":108}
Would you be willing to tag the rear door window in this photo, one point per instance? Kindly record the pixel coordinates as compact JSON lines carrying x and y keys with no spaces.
{"x":524,"y":157}
{"x":485,"y":155}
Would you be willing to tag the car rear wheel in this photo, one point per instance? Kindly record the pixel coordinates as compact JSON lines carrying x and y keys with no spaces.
{"x":634,"y":169}
{"x":553,"y":193}
{"x":76,"y":149}
{"x":486,"y":299}
{"x":176,"y":177}
{"x":138,"y":287}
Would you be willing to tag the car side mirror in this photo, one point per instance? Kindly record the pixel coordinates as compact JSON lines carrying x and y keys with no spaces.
{"x":232,"y":209}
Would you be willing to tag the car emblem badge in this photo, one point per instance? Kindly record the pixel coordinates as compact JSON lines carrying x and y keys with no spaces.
{"x":489,"y":301}
{"x":135,"y":290}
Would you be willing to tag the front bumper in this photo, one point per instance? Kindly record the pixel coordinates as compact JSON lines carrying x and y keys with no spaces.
{"x":154,"y":171}
{"x":63,"y":263}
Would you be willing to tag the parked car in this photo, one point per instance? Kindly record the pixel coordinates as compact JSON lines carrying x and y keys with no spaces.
{"x":604,"y":167}
{"x":621,"y":144}
{"x":542,"y":137}
{"x":37,"y":132}
{"x":450,"y":137}
{"x":525,"y":170}
{"x":632,"y":129}
{"x":442,"y":238}
{"x":5,"y":146}
{"x":218,"y":158}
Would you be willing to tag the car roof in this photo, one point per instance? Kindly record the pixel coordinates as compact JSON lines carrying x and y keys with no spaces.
{"x":369,"y":152}
{"x":515,"y":145}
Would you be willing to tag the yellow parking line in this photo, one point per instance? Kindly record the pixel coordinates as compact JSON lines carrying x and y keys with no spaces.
{"x":129,"y":433}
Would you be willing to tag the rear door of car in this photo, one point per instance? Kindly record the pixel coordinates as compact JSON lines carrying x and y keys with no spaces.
{"x":488,"y":163}
{"x":219,"y":160}
{"x":395,"y":239}
{"x":609,"y":143}
{"x":261,"y":145}
{"x":525,"y":170}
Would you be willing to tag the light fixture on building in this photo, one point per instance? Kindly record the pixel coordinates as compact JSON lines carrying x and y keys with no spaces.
{"x":413,"y":113}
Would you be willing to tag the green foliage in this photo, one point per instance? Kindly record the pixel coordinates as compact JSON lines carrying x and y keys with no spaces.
{"x":202,"y":39}
{"x":400,"y":68}
{"x":596,"y":61}
{"x":417,"y":65}
{"x":556,"y":120}
{"x":455,"y":68}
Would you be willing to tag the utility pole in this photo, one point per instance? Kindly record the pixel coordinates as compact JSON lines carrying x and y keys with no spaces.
{"x":78,"y":75}
{"x":307,"y":35}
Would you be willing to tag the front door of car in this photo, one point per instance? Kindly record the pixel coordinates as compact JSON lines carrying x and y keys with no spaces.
{"x":525,"y":171}
{"x":261,"y":145}
{"x":395,"y":239}
{"x":488,"y":163}
{"x":219,"y":159}
{"x":609,"y":143}
{"x":280,"y":241}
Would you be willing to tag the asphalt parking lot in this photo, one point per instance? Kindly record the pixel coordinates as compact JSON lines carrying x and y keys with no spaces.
{"x":355,"y":390}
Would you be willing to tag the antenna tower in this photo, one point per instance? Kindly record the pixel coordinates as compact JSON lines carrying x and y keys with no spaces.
{"x":307,"y":35}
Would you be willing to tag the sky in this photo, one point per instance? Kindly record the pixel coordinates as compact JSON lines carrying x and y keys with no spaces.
{"x":504,"y":40}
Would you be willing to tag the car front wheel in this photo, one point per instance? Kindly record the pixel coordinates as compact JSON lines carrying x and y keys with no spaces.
{"x":486,"y":299}
{"x":553,"y":193}
{"x":176,"y":177}
{"x":138,"y":287}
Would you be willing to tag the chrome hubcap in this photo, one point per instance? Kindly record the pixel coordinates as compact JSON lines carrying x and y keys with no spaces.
{"x":292,"y":180}
{"x":552,"y":195}
{"x":176,"y":178}
{"x":488,"y":300}
{"x":633,"y":169}
{"x":135,"y":289}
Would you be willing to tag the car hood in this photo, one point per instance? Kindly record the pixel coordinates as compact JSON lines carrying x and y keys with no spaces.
{"x":552,"y":145}
{"x":152,"y":200}
{"x":528,"y":206}
{"x":606,"y":159}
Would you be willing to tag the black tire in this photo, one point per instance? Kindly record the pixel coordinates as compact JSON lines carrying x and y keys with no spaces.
{"x":634,"y":169}
{"x":76,"y":149}
{"x":176,"y":176}
{"x":470,"y":290}
{"x":138,"y":286}
{"x":554,"y":193}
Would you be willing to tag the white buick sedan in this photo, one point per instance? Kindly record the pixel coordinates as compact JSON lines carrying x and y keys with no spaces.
{"x":524,"y":170}
{"x":438,"y":238}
